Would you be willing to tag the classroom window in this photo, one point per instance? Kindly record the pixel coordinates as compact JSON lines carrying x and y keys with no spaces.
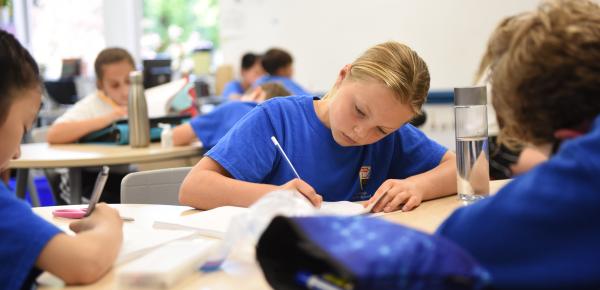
{"x":64,"y":29}
{"x":176,"y":28}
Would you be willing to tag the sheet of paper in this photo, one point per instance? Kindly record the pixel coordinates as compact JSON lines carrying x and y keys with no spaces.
{"x":158,"y":97}
{"x":342,"y":208}
{"x":138,"y":241}
{"x":212,"y":223}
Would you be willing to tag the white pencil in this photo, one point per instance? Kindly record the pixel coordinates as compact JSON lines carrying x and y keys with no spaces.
{"x":284,"y":155}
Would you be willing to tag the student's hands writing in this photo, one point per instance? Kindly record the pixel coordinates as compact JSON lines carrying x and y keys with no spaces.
{"x":399,"y":194}
{"x":103,"y":215}
{"x":305,"y":189}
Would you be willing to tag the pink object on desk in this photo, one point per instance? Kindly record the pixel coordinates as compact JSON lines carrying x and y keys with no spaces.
{"x":74,"y":213}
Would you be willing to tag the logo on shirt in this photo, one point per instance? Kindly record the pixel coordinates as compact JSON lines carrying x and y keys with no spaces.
{"x":363,"y":175}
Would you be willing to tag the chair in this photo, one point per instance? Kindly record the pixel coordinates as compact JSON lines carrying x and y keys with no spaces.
{"x":153,"y":187}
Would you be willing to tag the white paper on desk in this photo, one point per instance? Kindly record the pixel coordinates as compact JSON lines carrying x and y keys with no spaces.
{"x":346,"y":208}
{"x":139,"y":241}
{"x":213,"y":223}
{"x":159,"y":97}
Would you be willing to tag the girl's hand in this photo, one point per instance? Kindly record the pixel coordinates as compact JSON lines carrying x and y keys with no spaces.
{"x":305,"y":189}
{"x":103,"y":215}
{"x":399,"y":194}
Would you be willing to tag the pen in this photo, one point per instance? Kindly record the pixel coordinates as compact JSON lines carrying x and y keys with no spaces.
{"x":314,"y":282}
{"x":127,"y":219}
{"x":284,"y":155}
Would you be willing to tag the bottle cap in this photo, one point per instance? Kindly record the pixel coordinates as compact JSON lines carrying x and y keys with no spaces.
{"x":136,"y":77}
{"x":469,"y":96}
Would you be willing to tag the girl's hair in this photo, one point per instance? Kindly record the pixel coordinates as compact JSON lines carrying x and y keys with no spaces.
{"x":396,"y":66}
{"x":249,"y":59}
{"x":19,"y":72}
{"x":275,"y":59}
{"x":545,"y":70}
{"x":109,"y":56}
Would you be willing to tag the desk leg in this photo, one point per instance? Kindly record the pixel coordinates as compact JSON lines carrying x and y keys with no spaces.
{"x":76,"y":186}
{"x":33,"y":193}
{"x":22,"y":177}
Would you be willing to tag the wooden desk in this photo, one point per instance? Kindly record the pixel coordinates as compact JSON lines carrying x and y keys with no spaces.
{"x":77,"y":156}
{"x":430,"y":214}
{"x":237,"y":273}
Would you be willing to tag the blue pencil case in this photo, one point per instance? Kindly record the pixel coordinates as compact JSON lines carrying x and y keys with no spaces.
{"x":117,"y":134}
{"x":362,"y":253}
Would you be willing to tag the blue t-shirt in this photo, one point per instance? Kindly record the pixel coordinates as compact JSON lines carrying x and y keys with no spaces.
{"x":290,"y":85}
{"x":23,"y":236}
{"x":542,"y":230}
{"x":211,"y":127}
{"x":336,"y":172}
{"x":232,"y":87}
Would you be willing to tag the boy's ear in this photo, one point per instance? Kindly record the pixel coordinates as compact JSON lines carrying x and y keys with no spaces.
{"x":98,"y":84}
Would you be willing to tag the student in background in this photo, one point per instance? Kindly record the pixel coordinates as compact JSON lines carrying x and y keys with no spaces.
{"x":101,"y":108}
{"x":29,"y":244}
{"x":92,"y":113}
{"x":251,"y":70}
{"x":211,"y":127}
{"x":354,"y":144}
{"x":279,"y":66}
{"x":541,"y":231}
{"x":505,"y":162}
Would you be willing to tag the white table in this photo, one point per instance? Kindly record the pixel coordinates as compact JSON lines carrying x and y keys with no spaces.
{"x":244,"y":274}
{"x":78,"y":156}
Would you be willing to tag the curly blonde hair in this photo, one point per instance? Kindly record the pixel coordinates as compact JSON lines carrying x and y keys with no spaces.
{"x":545,"y":70}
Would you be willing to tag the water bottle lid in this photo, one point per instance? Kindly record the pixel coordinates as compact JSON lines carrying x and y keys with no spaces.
{"x":469,"y":96}
{"x":136,"y":77}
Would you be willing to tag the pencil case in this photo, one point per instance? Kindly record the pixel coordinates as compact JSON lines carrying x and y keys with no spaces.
{"x":117,"y":134}
{"x":328,"y":252}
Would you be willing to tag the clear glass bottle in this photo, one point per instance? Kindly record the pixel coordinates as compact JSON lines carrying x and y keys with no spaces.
{"x":139,"y":124}
{"x":472,"y":156}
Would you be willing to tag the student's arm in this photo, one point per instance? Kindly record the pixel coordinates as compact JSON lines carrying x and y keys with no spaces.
{"x":209,"y":185}
{"x":71,"y":131}
{"x":183,"y":135}
{"x":87,"y":256}
{"x":408,"y":193}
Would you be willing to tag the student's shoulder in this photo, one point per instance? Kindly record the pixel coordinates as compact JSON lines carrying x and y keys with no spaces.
{"x":91,"y":99}
{"x":296,"y":101}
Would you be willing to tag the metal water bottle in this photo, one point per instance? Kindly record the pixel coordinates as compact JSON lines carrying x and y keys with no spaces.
{"x":139,"y":124}
{"x":472,"y":156}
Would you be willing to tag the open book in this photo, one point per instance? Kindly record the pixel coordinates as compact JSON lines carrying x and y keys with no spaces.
{"x":215,"y":222}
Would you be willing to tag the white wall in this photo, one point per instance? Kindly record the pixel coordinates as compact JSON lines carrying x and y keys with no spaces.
{"x":323,"y":35}
{"x":122,"y":25}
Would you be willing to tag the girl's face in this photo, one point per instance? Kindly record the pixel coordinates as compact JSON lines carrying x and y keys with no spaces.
{"x":21,"y":116}
{"x":363,"y":112}
{"x":115,"y":81}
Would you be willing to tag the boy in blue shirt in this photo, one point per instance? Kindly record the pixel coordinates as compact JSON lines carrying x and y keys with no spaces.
{"x":278,"y":64}
{"x":354,"y":144}
{"x":29,"y":244}
{"x":251,"y":70}
{"x":211,"y":127}
{"x":542,"y":230}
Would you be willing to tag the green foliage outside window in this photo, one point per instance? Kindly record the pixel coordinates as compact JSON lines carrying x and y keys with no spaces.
{"x":189,"y":16}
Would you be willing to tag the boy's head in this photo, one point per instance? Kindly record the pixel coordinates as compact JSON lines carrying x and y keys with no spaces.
{"x":20,"y":95}
{"x":251,"y":68}
{"x":545,"y":70}
{"x":278,"y":62}
{"x":265,"y":92}
{"x":112,"y":67}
